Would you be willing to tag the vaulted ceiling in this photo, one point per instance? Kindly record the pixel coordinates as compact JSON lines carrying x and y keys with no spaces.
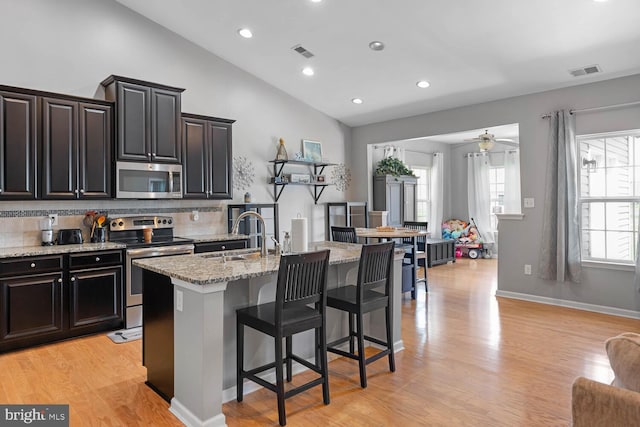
{"x":469,"y":51}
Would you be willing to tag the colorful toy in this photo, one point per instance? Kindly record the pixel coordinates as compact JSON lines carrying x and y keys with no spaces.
{"x":466,"y":236}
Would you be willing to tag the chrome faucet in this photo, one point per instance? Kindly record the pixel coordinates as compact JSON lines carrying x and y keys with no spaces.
{"x":236,"y":225}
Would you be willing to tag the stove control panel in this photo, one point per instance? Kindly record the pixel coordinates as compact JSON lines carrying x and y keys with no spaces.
{"x":140,"y":222}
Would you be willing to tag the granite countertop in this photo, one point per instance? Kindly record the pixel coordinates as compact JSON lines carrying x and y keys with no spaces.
{"x":22,"y":251}
{"x":204,"y":238}
{"x":211,"y":267}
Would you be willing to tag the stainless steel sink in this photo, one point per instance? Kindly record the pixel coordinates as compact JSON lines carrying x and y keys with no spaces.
{"x":231,"y":256}
{"x":243,"y":257}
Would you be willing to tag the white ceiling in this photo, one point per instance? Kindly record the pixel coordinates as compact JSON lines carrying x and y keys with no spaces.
{"x":470,"y":51}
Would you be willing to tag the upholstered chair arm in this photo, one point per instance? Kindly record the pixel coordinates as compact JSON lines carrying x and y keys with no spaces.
{"x":595,"y":404}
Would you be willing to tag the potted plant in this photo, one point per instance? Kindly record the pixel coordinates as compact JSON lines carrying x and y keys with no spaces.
{"x":393,"y":166}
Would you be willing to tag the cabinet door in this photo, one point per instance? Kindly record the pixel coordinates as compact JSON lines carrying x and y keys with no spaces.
{"x":195,"y":164}
{"x":95,"y":148}
{"x":165,"y":126}
{"x":409,"y":201}
{"x":95,"y":297}
{"x":17,"y":146}
{"x":394,"y":203}
{"x":221,"y":160}
{"x":31,"y":306}
{"x":59,"y":149}
{"x":133,"y":121}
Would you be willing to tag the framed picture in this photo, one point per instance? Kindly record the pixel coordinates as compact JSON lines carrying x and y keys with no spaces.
{"x":312,"y":150}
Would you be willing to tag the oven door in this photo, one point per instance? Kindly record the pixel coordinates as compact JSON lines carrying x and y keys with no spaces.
{"x":133,"y":281}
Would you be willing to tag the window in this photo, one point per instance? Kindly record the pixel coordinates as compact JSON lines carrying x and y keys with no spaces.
{"x":496,"y":193}
{"x":423,"y":194}
{"x":609,"y":198}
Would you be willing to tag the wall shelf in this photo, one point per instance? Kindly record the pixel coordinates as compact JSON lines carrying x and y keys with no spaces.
{"x":318,"y":169}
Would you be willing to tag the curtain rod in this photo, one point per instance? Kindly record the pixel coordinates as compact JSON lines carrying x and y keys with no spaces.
{"x":606,"y":107}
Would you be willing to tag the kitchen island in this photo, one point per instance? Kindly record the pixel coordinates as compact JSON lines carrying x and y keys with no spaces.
{"x":189,"y":308}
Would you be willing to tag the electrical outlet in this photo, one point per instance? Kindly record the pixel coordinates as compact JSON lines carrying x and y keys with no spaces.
{"x":527,"y":269}
{"x":54,"y":219}
{"x":179,"y":300}
{"x":529,"y":202}
{"x":195,"y":216}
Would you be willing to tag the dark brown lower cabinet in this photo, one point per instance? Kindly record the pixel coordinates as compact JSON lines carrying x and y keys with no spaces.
{"x":31,"y":306}
{"x":95,"y":297}
{"x":49,"y":298}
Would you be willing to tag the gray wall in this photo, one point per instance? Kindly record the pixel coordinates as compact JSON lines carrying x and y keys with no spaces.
{"x":70,"y":46}
{"x":520,"y":240}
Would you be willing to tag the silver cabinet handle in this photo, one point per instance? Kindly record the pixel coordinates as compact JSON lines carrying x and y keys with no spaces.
{"x":97,"y":258}
{"x":60,"y":280}
{"x":0,"y":190}
{"x":153,"y":154}
{"x":73,"y":278}
{"x":223,"y":247}
{"x":75,"y":191}
{"x":82,"y":191}
{"x":148,"y":154}
{"x":33,"y":265}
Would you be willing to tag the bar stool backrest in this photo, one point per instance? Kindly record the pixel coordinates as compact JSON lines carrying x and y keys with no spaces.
{"x":302,"y":280}
{"x":416,"y":225}
{"x":375,"y":268}
{"x":344,"y":234}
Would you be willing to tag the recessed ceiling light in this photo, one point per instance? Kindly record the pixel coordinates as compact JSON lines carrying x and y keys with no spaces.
{"x":308,"y":71}
{"x":316,"y":1}
{"x":423,"y":84}
{"x":376,"y":45}
{"x":245,"y":32}
{"x":356,"y":101}
{"x":599,"y":1}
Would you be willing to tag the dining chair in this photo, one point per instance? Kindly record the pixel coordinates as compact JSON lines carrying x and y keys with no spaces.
{"x":300,"y":305}
{"x":371,"y":292}
{"x":344,"y":234}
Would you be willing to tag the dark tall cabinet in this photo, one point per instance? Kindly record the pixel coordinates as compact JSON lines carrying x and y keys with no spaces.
{"x":207,"y":157}
{"x":18,"y":139}
{"x":396,"y":195}
{"x":76,"y":149}
{"x":147,"y":119}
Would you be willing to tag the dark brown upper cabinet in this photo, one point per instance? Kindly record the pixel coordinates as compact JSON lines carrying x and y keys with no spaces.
{"x":147,"y":119}
{"x":207,"y":157}
{"x":77,"y":146}
{"x":18,"y":142}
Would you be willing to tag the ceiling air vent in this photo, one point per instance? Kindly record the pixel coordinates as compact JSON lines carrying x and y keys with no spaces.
{"x":302,"y":51}
{"x":585,"y":70}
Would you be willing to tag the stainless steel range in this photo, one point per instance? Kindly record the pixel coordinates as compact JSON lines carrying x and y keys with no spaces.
{"x":130,"y":231}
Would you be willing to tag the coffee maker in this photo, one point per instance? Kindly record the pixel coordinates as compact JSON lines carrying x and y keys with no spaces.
{"x":46,"y":225}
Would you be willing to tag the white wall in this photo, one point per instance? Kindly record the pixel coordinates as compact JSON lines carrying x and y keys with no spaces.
{"x":520,"y":240}
{"x":70,"y":46}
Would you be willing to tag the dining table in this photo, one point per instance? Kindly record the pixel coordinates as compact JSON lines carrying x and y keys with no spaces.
{"x":390,"y":233}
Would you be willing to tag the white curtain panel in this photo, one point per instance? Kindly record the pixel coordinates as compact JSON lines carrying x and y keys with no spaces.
{"x":560,"y":251}
{"x":512,"y":201}
{"x":437,"y":196}
{"x":479,"y":194}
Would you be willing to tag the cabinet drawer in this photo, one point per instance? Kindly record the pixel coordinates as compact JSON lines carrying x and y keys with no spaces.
{"x":33,"y":265}
{"x":220,"y":246}
{"x":95,"y":259}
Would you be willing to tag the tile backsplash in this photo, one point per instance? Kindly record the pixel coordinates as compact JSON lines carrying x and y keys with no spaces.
{"x":21,"y":227}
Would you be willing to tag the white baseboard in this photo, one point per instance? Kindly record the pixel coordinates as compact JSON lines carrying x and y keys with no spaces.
{"x":189,"y":419}
{"x":570,"y":304}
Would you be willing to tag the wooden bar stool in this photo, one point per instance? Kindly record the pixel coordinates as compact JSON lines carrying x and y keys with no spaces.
{"x":300,"y":305}
{"x":344,"y":234}
{"x":374,"y":272}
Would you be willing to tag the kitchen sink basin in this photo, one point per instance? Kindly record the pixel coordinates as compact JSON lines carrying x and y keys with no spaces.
{"x":243,"y":257}
{"x":232,"y":256}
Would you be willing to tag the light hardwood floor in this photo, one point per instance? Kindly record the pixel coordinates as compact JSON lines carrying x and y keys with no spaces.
{"x":470,"y":359}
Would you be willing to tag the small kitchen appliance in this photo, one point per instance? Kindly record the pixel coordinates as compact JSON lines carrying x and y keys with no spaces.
{"x":46,"y":226}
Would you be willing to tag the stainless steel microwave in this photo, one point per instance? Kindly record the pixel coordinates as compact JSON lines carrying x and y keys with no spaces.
{"x":148,"y":181}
